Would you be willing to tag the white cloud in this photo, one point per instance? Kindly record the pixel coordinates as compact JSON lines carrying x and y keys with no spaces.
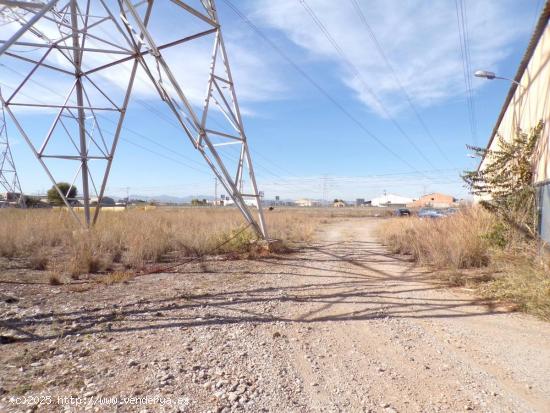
{"x":420,"y":39}
{"x":256,"y":78}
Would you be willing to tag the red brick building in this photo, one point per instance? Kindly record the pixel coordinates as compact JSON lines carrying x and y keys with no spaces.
{"x":434,"y":200}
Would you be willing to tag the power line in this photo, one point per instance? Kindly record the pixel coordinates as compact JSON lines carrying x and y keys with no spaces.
{"x":359,"y":77}
{"x":469,"y":64}
{"x":270,"y":172}
{"x":466,"y":65}
{"x":326,"y":94}
{"x":163,"y":156}
{"x":380,"y":49}
{"x":372,"y":181}
{"x":306,"y":183}
{"x":172,"y":123}
{"x":124,"y":128}
{"x":160,"y":145}
{"x":128,"y":141}
{"x":169,"y":121}
{"x":156,"y":113}
{"x":283,"y":182}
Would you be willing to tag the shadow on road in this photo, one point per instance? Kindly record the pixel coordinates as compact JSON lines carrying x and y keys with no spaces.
{"x":326,"y":282}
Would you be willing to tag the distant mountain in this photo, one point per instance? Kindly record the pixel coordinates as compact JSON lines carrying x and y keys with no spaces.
{"x":169,"y":198}
{"x":184,"y":199}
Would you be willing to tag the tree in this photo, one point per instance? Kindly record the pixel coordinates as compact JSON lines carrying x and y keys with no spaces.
{"x":69,"y":191}
{"x":106,"y":201}
{"x":505,"y":183}
{"x":198,"y":202}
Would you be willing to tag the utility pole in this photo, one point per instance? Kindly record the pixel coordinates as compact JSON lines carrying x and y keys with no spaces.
{"x":9,"y":180}
{"x":325,"y":190}
{"x":215,"y":191}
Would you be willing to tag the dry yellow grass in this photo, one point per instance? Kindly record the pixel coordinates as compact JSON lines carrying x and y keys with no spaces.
{"x":136,"y":237}
{"x":453,"y":242}
{"x":53,"y":279}
{"x":473,"y":239}
{"x":116,"y":277}
{"x":521,"y":278}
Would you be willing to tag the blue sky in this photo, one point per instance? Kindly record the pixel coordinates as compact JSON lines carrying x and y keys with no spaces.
{"x":302,"y":144}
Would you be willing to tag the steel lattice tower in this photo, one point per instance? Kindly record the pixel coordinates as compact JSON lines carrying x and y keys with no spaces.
{"x":9,"y":180}
{"x":78,"y":48}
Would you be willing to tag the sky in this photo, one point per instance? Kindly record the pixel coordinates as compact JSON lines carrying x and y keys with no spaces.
{"x":344,"y":99}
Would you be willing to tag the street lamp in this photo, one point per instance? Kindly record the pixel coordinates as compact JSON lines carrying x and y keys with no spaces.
{"x":491,"y":75}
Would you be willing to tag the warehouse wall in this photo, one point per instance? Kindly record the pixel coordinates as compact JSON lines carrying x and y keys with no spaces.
{"x":531,"y":103}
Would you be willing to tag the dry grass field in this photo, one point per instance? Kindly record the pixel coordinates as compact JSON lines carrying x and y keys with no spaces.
{"x":454,"y":242}
{"x":472,"y":248}
{"x":467,"y":249}
{"x":129,"y":240}
{"x":50,"y":239}
{"x":338,"y":323}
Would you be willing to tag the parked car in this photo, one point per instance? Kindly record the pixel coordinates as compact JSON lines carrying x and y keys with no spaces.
{"x":403,"y":212}
{"x":430,"y":213}
{"x":450,"y":211}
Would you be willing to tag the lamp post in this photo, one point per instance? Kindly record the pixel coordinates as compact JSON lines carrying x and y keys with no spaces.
{"x":491,"y":75}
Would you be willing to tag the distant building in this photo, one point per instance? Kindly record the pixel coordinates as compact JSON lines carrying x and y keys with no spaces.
{"x":307,"y":203}
{"x":359,"y":202}
{"x":434,"y":200}
{"x":229,"y":202}
{"x":11,"y":199}
{"x":338,"y":203}
{"x":10,"y":196}
{"x":391,"y":200}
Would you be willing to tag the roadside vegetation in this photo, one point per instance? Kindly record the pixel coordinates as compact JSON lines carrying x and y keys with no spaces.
{"x":51,"y":240}
{"x":475,"y":249}
{"x":456,"y":242}
{"x":492,"y":247}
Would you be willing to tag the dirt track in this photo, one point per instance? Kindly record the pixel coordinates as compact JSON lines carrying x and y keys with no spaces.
{"x":340,"y":326}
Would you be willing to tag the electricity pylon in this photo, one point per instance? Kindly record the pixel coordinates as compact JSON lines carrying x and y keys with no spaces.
{"x":9,"y":180}
{"x":90,"y":55}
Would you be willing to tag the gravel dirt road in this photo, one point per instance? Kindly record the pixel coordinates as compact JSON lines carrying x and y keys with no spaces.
{"x":340,"y":326}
